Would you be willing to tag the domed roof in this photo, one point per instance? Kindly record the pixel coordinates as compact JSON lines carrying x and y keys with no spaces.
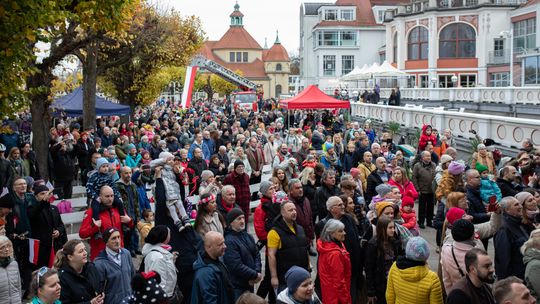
{"x":276,"y":53}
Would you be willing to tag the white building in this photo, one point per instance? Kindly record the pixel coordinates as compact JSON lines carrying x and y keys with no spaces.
{"x":465,"y":43}
{"x":336,"y":37}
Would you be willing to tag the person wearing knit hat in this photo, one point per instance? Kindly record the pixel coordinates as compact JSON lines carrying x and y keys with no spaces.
{"x":266,"y":185}
{"x":206,"y":174}
{"x":381,"y":206}
{"x":408,"y":214}
{"x":108,"y":233}
{"x":133,"y":158}
{"x":417,"y":249}
{"x":355,"y":172}
{"x":454,"y":214}
{"x":383,"y":189}
{"x":101,"y":162}
{"x":300,"y":288}
{"x":6,"y":202}
{"x":462,"y":230}
{"x":456,"y":168}
{"x":46,"y":225}
{"x":280,"y":197}
{"x":157,"y":256}
{"x":241,"y":257}
{"x":233,"y":214}
{"x":413,"y":271}
{"x":481,"y":168}
{"x":445,"y":158}
{"x":239,"y":178}
{"x":166,"y":156}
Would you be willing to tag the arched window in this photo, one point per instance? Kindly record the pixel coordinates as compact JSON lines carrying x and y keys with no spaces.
{"x":457,"y":40}
{"x":278,"y":67}
{"x":278,"y":90}
{"x":394,"y":56}
{"x":418,"y":44}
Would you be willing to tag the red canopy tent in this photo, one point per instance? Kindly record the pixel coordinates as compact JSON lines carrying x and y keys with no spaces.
{"x":313,"y":98}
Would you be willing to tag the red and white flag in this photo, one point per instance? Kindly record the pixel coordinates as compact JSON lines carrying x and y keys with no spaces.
{"x":34,"y":251}
{"x":191,"y":72}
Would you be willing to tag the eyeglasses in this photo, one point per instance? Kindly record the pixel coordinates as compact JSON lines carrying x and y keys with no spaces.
{"x":41,"y":272}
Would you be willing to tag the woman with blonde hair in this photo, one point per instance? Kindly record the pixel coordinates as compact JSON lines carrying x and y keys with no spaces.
{"x":10,"y":279}
{"x":531,"y":259}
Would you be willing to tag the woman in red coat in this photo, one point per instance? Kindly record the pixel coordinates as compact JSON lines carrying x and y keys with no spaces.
{"x":334,"y":267}
{"x":400,"y":180}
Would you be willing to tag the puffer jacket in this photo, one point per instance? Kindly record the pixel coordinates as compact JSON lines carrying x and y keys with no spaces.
{"x":365,"y":171}
{"x":531,"y":259}
{"x":446,"y":185}
{"x":10,"y":283}
{"x":412,"y":282}
{"x":406,"y":189}
{"x":172,"y":189}
{"x":285,"y":297}
{"x":334,"y":270}
{"x":160,"y":260}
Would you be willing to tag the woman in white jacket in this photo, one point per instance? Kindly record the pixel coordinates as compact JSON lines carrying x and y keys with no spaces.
{"x":158,"y":257}
{"x":10,"y":280}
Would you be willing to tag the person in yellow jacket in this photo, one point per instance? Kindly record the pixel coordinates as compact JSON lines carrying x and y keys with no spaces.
{"x":410,"y":280}
{"x":366,"y":167}
{"x":144,"y":226}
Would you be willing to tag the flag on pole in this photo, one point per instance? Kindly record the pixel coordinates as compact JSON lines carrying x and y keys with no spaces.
{"x":34,"y":251}
{"x":191,"y":72}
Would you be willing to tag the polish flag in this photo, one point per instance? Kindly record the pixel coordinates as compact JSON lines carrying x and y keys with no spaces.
{"x":191,"y":72}
{"x":34,"y":251}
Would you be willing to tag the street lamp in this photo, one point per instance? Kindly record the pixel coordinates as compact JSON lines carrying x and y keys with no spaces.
{"x":510,"y":35}
{"x":454,"y":80}
{"x":433,"y":81}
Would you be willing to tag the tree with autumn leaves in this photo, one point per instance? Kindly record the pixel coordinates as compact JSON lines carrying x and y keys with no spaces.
{"x":100,"y":33}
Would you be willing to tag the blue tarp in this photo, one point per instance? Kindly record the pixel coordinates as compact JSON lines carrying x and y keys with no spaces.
{"x":72,"y":105}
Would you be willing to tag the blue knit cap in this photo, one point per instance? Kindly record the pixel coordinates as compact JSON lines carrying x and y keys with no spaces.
{"x":417,"y":249}
{"x":294,"y":277}
{"x":101,"y":162}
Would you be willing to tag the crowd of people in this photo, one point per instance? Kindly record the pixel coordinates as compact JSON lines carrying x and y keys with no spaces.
{"x":170,"y":198}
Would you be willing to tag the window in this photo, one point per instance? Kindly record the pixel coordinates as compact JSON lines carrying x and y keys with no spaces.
{"x":330,"y":15}
{"x":524,"y":35}
{"x":278,"y":90}
{"x":411,"y":81}
{"x":245,"y":56}
{"x":278,"y":67}
{"x":380,"y":15}
{"x":329,"y":65}
{"x":498,"y":47}
{"x":348,"y":38}
{"x":347,"y":64}
{"x":531,"y":70}
{"x":347,"y":15}
{"x":445,"y":81}
{"x":457,"y":40}
{"x":424,"y":81}
{"x":467,"y":81}
{"x":231,"y":56}
{"x":394,"y":55}
{"x":336,"y":38}
{"x":499,"y":79}
{"x":418,"y":43}
{"x":238,"y":56}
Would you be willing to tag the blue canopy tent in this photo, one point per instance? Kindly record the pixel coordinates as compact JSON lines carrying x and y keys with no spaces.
{"x":72,"y":105}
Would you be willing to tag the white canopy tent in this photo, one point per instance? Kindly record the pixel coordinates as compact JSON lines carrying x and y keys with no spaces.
{"x":368,"y":75}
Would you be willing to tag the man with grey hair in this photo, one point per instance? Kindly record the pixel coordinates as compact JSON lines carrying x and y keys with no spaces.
{"x":509,"y":239}
{"x":328,"y":188}
{"x":476,"y":206}
{"x":422,"y":178}
{"x":223,"y":156}
{"x":377,"y":177}
{"x":452,"y":152}
{"x":303,"y":210}
{"x":336,"y":209}
{"x":226,"y":200}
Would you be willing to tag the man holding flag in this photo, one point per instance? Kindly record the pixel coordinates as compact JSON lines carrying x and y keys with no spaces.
{"x":47,"y":228}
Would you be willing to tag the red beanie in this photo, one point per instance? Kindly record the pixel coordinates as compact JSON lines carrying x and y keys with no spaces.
{"x":407,"y":201}
{"x":454,"y":214}
{"x":354,"y":172}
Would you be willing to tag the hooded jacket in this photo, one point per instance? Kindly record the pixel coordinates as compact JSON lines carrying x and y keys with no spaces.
{"x":242,"y":258}
{"x":412,"y":282}
{"x":160,"y":260}
{"x":531,"y":259}
{"x":334,"y":270}
{"x":284,"y":297}
{"x":424,"y":138}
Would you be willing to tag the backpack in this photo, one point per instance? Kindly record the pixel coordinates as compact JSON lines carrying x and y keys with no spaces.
{"x":64,"y":207}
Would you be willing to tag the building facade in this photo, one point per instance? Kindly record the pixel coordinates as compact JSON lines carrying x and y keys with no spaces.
{"x":237,"y":50}
{"x":336,"y":37}
{"x":466,"y":43}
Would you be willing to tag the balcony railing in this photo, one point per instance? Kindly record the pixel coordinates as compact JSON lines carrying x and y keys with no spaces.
{"x":508,"y":2}
{"x":457,"y":3}
{"x":499,"y":57}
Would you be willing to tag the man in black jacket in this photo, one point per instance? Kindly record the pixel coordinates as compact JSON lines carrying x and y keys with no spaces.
{"x":287,"y":246}
{"x":506,"y":182}
{"x":474,"y":287}
{"x":377,"y":177}
{"x":328,"y":188}
{"x":476,"y":206}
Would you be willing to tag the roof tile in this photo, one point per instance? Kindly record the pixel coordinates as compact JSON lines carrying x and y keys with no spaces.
{"x":237,"y":38}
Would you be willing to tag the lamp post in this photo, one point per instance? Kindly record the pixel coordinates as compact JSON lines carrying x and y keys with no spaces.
{"x":510,"y":35}
{"x":433,"y":81}
{"x":454,"y":80}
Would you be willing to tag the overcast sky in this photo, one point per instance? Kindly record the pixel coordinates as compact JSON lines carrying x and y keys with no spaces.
{"x":261,"y":18}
